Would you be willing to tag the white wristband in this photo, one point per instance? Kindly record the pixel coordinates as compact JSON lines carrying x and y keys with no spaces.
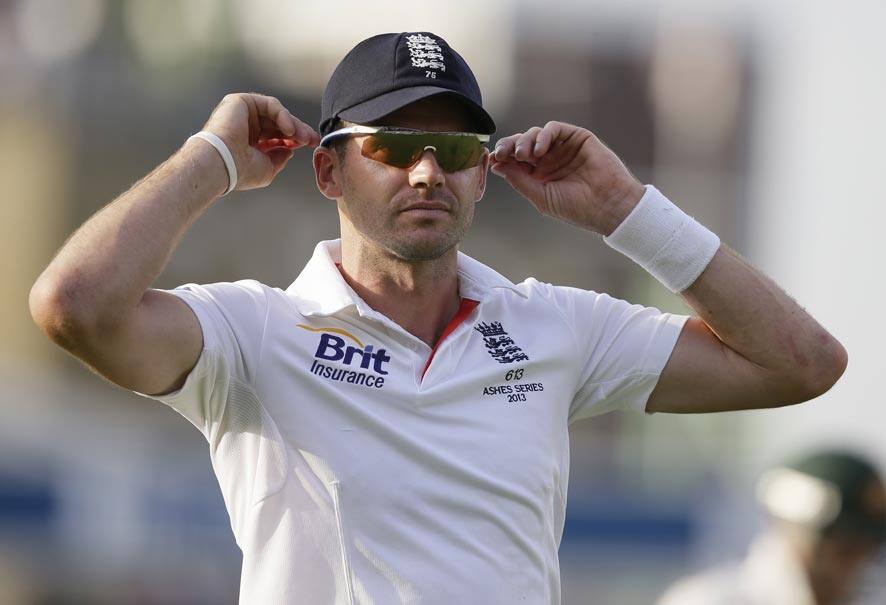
{"x":665,"y":241}
{"x":225,"y":154}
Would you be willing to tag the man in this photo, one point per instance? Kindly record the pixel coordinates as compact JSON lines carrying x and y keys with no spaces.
{"x":827,"y":516}
{"x":392,"y":428}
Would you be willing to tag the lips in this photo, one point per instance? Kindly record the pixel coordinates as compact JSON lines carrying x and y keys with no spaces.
{"x":427,"y":206}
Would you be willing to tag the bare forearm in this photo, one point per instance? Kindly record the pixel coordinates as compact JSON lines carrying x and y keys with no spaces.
{"x":751,"y":344}
{"x":755,"y":318}
{"x":105,"y":267}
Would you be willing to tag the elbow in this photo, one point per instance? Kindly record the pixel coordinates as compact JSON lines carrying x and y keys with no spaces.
{"x":54,"y":310}
{"x":838,"y":361}
{"x":831,"y":364}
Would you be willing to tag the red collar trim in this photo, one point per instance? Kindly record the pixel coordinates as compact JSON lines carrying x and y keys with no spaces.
{"x":464,"y":309}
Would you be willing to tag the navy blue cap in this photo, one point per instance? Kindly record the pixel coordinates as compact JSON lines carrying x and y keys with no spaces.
{"x":389,"y":71}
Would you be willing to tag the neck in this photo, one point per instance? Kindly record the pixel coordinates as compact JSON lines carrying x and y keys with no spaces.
{"x":419,"y":296}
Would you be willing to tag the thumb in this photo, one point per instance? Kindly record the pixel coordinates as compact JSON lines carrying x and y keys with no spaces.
{"x":519,"y":176}
{"x":257,"y":171}
{"x":279,"y":158}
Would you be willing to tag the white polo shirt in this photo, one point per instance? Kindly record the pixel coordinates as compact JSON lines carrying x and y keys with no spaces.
{"x":353,"y":473}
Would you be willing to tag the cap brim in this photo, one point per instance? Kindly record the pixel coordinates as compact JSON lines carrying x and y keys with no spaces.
{"x":379,"y":107}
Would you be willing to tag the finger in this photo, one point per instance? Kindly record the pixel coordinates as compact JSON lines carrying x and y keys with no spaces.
{"x":289,"y":125}
{"x":504,"y":148}
{"x":269,"y":129}
{"x":280,"y":115}
{"x":519,"y":176}
{"x":271,"y":136}
{"x":263,"y":167}
{"x":267,"y":117}
{"x":259,"y":169}
{"x":548,"y":135}
{"x":267,"y":145}
{"x":525,"y":143}
{"x":254,"y":117}
{"x":305,"y":134}
{"x":279,"y":157}
{"x":302,"y":134}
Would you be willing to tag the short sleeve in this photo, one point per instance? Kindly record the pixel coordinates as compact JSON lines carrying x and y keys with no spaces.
{"x":621,"y":349}
{"x":233,"y":318}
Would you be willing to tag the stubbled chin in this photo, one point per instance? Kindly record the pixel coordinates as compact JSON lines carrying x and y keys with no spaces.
{"x":423,"y":246}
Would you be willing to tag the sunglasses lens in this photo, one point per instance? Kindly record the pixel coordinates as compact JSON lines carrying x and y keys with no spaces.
{"x":402,"y":150}
{"x":456,"y":152}
{"x":392,"y":149}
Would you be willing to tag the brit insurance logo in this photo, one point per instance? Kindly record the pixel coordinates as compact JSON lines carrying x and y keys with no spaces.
{"x":425,"y":53}
{"x":499,"y":345}
{"x":339,"y":360}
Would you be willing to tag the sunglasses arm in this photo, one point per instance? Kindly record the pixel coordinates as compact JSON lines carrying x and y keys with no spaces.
{"x":324,"y":142}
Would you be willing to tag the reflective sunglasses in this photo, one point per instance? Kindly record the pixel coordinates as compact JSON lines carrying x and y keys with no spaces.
{"x":403,"y":147}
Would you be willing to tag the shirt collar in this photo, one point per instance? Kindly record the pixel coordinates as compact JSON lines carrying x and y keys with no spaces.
{"x":321,"y":290}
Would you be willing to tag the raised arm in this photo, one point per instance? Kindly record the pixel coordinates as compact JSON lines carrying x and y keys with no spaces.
{"x":94,"y":298}
{"x":750,"y":345}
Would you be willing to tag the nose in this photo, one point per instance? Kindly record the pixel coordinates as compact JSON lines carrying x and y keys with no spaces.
{"x":426,"y":173}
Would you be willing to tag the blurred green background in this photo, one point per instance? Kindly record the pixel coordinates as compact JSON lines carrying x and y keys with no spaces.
{"x":763,"y":120}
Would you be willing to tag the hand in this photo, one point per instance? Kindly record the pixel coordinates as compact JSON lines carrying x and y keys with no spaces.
{"x":569,"y":174}
{"x":261,"y":135}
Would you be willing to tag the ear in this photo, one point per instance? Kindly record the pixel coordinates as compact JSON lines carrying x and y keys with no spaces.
{"x":327,"y":173}
{"x":484,"y":171}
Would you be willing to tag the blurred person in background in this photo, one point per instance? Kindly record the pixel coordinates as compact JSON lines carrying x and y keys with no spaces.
{"x":393,"y":427}
{"x":826,"y":523}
